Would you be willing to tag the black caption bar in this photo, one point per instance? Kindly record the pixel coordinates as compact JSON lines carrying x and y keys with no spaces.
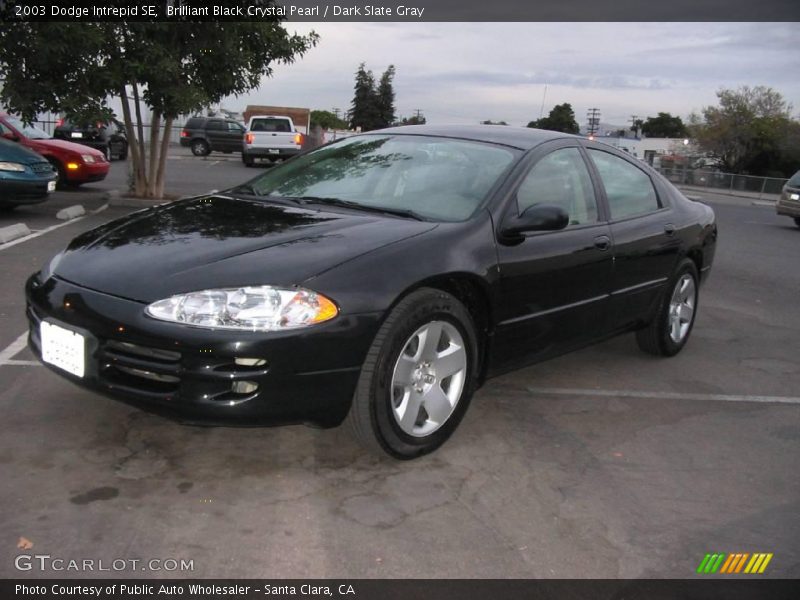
{"x":400,"y":11}
{"x":514,"y":589}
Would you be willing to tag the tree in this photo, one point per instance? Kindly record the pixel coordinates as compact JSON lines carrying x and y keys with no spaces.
{"x":385,"y":98}
{"x":327,"y":120}
{"x":172,"y":68}
{"x":417,"y":119}
{"x":750,"y":131}
{"x":664,"y":125}
{"x":372,"y":106}
{"x":490,"y":122}
{"x":561,"y":118}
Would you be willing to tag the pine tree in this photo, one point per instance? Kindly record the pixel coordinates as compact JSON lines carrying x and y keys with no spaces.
{"x":363,"y":112}
{"x":385,"y":99}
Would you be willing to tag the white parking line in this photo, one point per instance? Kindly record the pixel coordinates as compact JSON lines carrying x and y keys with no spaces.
{"x":663,"y":395}
{"x":36,"y":234}
{"x":14,"y":348}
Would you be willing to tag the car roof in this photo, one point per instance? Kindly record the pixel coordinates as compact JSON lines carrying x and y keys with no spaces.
{"x":523,"y":138}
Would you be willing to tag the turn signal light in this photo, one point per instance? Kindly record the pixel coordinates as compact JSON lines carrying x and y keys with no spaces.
{"x":73,"y":166}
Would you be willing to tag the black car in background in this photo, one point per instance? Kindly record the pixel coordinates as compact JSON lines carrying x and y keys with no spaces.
{"x":205,"y":135}
{"x":107,"y":136}
{"x":380,"y":280}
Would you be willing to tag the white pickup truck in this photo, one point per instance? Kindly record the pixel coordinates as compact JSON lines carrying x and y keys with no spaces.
{"x":270,"y":137}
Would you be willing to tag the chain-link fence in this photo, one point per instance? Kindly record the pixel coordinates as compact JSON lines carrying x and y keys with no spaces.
{"x":729,"y":183}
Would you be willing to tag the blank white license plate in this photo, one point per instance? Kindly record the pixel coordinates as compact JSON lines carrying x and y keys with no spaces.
{"x":273,"y":151}
{"x":76,"y":134}
{"x":63,"y":348}
{"x":51,"y":186}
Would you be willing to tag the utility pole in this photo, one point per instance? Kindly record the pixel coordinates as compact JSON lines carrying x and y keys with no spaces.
{"x":634,"y":127}
{"x":336,"y":112}
{"x":593,"y":120}
{"x":417,"y":113}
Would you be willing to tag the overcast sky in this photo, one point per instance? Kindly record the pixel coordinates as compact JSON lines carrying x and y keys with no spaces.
{"x":468,"y":72}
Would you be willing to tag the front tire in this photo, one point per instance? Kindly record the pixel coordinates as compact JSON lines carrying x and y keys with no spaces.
{"x":669,"y":331}
{"x":418,"y":377}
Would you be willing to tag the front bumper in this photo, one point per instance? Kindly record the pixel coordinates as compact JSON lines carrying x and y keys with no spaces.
{"x":88,"y":172}
{"x":786,"y":206}
{"x":25,"y":191}
{"x":189,"y":373}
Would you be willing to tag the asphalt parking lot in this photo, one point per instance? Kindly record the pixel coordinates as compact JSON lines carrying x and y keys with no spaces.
{"x":601,"y":464}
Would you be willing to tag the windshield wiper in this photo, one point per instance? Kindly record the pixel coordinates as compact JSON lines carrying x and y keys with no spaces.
{"x":399,"y":212}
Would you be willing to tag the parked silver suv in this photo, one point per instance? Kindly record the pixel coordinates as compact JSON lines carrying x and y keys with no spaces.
{"x":789,"y":202}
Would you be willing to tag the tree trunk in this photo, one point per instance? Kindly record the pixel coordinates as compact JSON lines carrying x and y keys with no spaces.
{"x":155,"y":129}
{"x":162,"y":158}
{"x":141,"y":176}
{"x":137,"y":186}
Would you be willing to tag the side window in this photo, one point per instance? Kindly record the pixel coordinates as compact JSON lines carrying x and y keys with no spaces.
{"x":4,"y":130}
{"x":215,"y":125}
{"x":560,"y":178}
{"x":629,"y":190}
{"x":235,"y":127}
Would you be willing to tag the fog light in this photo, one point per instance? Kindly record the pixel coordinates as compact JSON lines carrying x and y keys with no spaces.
{"x":244,"y":387}
{"x":250,"y":362}
{"x":73,"y":166}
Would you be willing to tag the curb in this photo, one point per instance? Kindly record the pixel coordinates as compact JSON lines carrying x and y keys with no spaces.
{"x":71,"y":212}
{"x":13,"y":232}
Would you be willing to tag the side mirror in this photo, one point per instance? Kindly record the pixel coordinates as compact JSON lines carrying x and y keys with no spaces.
{"x":539,"y":217}
{"x":11,"y":136}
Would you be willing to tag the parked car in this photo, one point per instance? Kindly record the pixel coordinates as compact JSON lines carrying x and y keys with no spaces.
{"x":108,"y":137}
{"x":273,"y":138}
{"x":789,"y":202}
{"x":205,"y":135}
{"x":75,"y":164}
{"x":25,"y":177}
{"x":380,"y":280}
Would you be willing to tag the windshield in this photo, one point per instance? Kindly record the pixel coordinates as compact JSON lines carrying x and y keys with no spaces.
{"x":29,"y":131}
{"x":795,"y":180}
{"x":436,"y":178}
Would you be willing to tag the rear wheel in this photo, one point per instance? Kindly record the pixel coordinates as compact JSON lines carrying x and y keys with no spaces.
{"x":418,"y":378}
{"x":669,"y":331}
{"x":200,"y":148}
{"x":797,"y":221}
{"x":248,"y":161}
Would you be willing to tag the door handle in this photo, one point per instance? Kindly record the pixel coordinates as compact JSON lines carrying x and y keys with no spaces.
{"x":602,"y":242}
{"x":669,"y":229}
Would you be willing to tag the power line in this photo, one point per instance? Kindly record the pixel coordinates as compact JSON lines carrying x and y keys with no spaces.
{"x":593,"y":119}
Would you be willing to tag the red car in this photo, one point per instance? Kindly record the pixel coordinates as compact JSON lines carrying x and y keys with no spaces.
{"x":75,"y":163}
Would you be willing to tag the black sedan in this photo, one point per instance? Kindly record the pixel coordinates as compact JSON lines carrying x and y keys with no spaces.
{"x":107,"y":136}
{"x":380,"y":280}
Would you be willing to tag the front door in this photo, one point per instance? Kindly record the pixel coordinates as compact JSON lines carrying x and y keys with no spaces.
{"x":555,"y":284}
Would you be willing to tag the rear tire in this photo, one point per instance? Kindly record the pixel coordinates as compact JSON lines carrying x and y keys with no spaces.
{"x":248,"y":161}
{"x":669,"y":331}
{"x":200,"y":148}
{"x":797,"y":221}
{"x":418,"y":377}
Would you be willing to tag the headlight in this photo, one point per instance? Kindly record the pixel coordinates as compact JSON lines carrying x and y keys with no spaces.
{"x":10,"y":166}
{"x":87,"y":158}
{"x":261,"y":308}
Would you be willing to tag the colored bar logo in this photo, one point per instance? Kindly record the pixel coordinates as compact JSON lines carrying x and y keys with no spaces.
{"x":741,"y":562}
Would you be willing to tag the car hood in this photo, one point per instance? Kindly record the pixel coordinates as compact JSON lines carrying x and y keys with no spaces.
{"x":13,"y":152}
{"x":63,"y":145}
{"x":219,"y":241}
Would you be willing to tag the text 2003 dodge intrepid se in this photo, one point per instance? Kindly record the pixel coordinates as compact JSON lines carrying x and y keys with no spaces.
{"x":379,"y":280}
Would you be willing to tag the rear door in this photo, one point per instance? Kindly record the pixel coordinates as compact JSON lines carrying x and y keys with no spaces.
{"x":555,"y":284}
{"x":233,"y":138}
{"x":643,"y":228}
{"x":217,"y":134}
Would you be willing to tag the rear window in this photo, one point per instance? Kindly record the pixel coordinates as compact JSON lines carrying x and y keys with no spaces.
{"x":795,"y":180}
{"x":194,"y":123}
{"x":271,"y":124}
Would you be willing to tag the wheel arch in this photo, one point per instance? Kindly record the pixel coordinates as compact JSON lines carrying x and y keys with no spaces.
{"x":473,"y":293}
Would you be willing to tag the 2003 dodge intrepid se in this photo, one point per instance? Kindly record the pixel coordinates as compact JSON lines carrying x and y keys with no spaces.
{"x":379,"y":280}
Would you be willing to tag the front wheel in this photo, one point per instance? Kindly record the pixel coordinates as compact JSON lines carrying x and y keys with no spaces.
{"x":669,"y":331}
{"x":418,"y":377}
